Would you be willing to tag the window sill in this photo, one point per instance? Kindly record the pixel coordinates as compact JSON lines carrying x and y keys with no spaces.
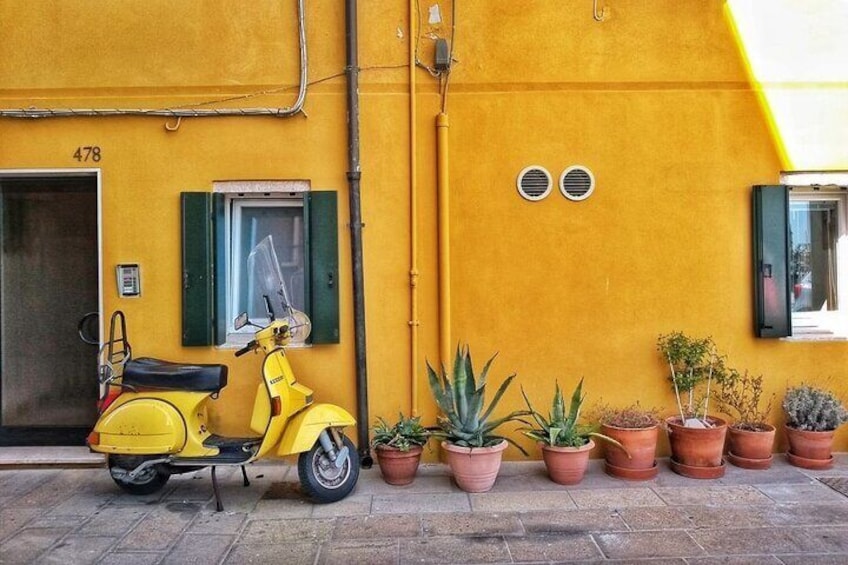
{"x":237,"y":341}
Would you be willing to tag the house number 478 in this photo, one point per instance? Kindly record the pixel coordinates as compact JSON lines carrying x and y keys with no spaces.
{"x":87,"y":153}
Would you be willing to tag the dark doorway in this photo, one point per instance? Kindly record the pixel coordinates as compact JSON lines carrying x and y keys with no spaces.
{"x":48,"y":282}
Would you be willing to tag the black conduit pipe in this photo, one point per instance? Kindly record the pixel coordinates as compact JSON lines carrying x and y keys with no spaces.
{"x":353,"y":175}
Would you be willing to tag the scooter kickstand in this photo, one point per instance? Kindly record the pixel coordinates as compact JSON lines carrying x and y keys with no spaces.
{"x":244,"y":475}
{"x":218,"y":506}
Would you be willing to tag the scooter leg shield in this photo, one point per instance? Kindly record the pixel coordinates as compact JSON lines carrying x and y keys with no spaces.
{"x":302,"y":430}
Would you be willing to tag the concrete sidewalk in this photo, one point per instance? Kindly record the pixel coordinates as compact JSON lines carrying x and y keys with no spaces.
{"x":783,"y":515}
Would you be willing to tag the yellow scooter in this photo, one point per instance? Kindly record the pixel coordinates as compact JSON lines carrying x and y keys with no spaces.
{"x":153,"y":414}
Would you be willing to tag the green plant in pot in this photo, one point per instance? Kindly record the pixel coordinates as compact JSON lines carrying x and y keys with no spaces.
{"x":398,"y":447}
{"x":695,"y":437}
{"x":472,"y":447}
{"x":637,"y":429}
{"x":750,"y":437}
{"x":812,"y":417}
{"x":564,"y":441}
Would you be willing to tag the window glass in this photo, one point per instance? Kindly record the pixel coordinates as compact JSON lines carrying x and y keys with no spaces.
{"x":814,"y":234}
{"x":252,"y":221}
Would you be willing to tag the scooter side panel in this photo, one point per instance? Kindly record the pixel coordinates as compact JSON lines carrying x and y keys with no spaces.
{"x":143,"y":426}
{"x":302,"y":430}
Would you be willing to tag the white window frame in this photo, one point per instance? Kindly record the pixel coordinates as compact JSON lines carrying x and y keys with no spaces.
{"x":260,"y":190}
{"x":824,"y":187}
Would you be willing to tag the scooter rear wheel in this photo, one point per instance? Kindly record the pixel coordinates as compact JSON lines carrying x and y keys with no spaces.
{"x":321,"y":480}
{"x":150,"y":480}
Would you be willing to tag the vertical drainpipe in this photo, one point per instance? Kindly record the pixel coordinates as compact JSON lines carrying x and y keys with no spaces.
{"x":413,"y":219}
{"x":443,"y":186}
{"x":353,"y":176}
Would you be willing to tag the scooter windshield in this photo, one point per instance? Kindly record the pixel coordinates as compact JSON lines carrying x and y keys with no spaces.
{"x":267,"y":281}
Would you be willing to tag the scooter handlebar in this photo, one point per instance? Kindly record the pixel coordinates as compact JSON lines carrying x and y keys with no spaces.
{"x":247,"y":348}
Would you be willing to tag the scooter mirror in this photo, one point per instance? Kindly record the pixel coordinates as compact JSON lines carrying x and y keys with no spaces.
{"x":241,"y":321}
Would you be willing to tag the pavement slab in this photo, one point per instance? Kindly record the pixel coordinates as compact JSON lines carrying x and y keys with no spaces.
{"x":378,"y":552}
{"x":30,"y":543}
{"x":378,"y":526}
{"x":78,"y":550}
{"x":810,"y":493}
{"x":553,"y":548}
{"x":514,"y":501}
{"x":454,"y":550}
{"x":615,"y":498}
{"x":472,"y":524}
{"x":753,"y":541}
{"x":656,"y":518}
{"x":298,"y":553}
{"x":575,"y":522}
{"x":641,"y":545}
{"x":712,"y":495}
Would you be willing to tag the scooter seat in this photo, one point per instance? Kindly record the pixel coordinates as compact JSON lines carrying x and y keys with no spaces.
{"x":155,"y":373}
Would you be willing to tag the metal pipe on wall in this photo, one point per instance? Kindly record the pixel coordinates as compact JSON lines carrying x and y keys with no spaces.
{"x":413,"y":219}
{"x":353,"y":176}
{"x":443,"y":189}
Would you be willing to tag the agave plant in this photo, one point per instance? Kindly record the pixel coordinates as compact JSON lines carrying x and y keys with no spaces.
{"x":561,"y":428}
{"x":464,"y":421}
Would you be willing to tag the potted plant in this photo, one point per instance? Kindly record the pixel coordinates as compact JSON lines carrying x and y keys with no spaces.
{"x":398,"y":448}
{"x":750,"y":438}
{"x":637,"y":429}
{"x":564,"y":441}
{"x":696,"y":438}
{"x":812,"y":416}
{"x":472,"y":448}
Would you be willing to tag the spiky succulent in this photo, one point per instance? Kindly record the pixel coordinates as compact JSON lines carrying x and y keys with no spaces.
{"x":464,"y":420}
{"x":561,"y":428}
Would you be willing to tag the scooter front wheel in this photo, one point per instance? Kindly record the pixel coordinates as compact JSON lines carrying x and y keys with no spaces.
{"x":321,"y":480}
{"x":148,"y":481}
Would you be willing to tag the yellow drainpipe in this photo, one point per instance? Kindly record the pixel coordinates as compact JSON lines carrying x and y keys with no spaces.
{"x":443,"y":181}
{"x":413,"y":218}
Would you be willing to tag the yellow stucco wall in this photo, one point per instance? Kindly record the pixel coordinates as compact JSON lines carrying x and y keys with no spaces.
{"x":655,"y":101}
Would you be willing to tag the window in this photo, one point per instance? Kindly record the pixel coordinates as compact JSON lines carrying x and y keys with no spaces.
{"x":801,"y":256}
{"x":816,"y":242}
{"x":251,"y":220}
{"x":220,"y":229}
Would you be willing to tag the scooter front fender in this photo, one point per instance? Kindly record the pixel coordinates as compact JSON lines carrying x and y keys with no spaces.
{"x":303,"y":430}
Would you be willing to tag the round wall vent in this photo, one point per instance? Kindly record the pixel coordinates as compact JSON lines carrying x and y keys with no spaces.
{"x":577,"y":183}
{"x":534,"y":183}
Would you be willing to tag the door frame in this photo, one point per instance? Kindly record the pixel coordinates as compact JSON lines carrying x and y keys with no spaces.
{"x":63,"y":435}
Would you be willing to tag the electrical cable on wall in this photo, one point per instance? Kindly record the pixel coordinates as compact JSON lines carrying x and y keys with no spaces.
{"x":186,"y":111}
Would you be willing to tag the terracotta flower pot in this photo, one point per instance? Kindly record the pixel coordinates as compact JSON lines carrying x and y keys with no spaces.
{"x":398,"y":467}
{"x":810,"y":450}
{"x":640,"y":443}
{"x":474,"y":469}
{"x":751,"y":449}
{"x":695,"y":450}
{"x":566,"y":465}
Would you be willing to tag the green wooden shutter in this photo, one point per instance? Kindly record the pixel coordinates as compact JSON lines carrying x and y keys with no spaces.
{"x":203,"y":241}
{"x":322,"y":250}
{"x":772,"y":309}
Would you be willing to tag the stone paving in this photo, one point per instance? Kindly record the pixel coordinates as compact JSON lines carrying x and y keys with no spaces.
{"x":783,"y":515}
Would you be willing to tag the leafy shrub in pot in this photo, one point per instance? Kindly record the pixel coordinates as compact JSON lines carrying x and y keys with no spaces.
{"x":696,"y":439}
{"x":750,"y":437}
{"x":637,"y":429}
{"x":812,"y":416}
